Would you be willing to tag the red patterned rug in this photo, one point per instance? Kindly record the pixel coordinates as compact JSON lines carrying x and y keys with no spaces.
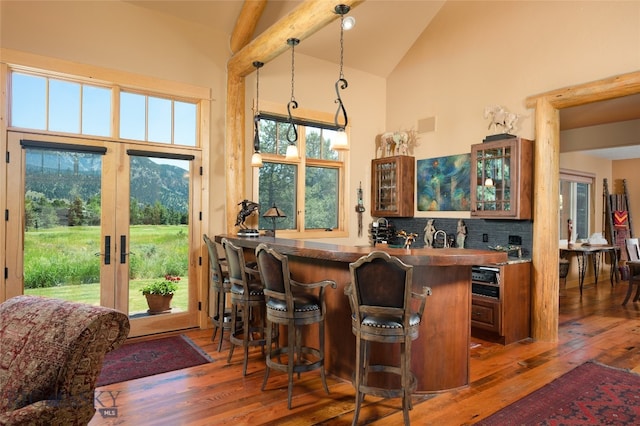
{"x":147,"y":358}
{"x":590,"y":394}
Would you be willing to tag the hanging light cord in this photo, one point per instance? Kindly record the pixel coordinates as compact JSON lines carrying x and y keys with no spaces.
{"x":292,"y":132}
{"x":341,"y":83}
{"x":256,"y":115}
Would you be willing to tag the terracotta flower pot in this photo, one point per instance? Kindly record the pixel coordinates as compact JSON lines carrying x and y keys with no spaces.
{"x":158,"y":303}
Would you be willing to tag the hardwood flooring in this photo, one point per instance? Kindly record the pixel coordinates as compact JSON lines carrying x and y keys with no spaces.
{"x":594,"y":326}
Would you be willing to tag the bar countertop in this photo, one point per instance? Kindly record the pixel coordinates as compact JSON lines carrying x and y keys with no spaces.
{"x":346,"y":253}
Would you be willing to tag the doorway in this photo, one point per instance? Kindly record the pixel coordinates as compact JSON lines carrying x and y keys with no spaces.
{"x":98,"y":220}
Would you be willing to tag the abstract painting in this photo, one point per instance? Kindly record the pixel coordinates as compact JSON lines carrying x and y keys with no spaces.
{"x":444,"y":183}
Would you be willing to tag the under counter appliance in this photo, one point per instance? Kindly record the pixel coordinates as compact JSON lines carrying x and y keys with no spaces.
{"x":485,"y":281}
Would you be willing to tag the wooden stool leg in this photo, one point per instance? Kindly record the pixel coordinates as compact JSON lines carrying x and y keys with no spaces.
{"x":266,"y":371}
{"x":358,"y":377}
{"x":234,"y":325}
{"x":291,"y":354}
{"x":322,"y":374}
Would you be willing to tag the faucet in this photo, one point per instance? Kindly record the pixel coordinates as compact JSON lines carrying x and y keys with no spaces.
{"x":445,"y":243}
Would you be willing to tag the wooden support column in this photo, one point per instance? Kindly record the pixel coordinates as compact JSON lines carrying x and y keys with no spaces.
{"x":235,"y":148}
{"x":546,"y":281}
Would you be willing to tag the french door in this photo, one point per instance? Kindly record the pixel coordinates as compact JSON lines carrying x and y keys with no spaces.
{"x":95,"y":221}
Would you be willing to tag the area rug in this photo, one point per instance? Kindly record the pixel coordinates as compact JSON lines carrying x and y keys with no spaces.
{"x":147,"y":358}
{"x":590,"y":394}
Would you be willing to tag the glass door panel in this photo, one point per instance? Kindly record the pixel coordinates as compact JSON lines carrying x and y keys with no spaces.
{"x":62,"y":215}
{"x":158,"y":229}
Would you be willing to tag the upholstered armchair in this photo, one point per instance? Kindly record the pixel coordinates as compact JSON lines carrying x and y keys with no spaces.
{"x":51,"y":353}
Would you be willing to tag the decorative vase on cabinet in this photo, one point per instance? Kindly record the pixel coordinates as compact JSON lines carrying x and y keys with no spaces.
{"x":502,"y":178}
{"x":392,"y":186}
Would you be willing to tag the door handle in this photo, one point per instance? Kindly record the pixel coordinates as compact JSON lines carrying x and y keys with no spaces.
{"x":123,"y":249}
{"x":107,"y":250}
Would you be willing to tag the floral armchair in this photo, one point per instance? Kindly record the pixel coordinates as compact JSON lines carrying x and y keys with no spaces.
{"x":51,"y":354}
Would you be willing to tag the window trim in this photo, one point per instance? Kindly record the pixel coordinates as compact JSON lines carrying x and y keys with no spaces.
{"x":274,"y":111}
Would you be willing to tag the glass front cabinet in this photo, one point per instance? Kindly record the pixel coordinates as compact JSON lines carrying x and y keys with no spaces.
{"x":501,"y":179}
{"x":392,"y":186}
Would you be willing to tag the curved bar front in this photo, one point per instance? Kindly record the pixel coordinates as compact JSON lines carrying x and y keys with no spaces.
{"x":440,"y":355}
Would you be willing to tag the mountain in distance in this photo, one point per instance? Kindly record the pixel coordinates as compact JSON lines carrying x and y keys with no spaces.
{"x":65,"y":175}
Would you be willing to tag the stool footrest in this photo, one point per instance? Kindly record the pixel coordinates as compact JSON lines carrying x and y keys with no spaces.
{"x":386,"y":392}
{"x":298,"y":367}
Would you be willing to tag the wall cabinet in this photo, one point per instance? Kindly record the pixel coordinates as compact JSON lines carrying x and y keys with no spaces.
{"x":502,"y":179}
{"x":501,"y":310}
{"x":393,"y":186}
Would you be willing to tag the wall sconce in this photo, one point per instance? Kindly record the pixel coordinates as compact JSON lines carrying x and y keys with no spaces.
{"x":274,"y":213}
{"x":292,"y":132}
{"x":341,"y":142}
{"x":488,"y":182}
{"x":256,"y":158}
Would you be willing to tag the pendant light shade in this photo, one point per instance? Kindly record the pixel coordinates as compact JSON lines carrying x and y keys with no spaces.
{"x":256,"y":158}
{"x":341,"y":142}
{"x":292,"y":152}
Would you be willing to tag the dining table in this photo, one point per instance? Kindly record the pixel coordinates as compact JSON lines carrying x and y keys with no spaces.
{"x":584,"y":251}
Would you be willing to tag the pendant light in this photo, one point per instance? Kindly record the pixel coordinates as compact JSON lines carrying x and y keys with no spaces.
{"x":292,"y":132}
{"x":340,"y":142}
{"x":256,"y":158}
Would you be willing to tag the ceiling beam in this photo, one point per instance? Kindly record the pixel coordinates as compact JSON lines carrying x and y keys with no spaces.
{"x":595,"y":91}
{"x":301,"y":23}
{"x":246,"y":24}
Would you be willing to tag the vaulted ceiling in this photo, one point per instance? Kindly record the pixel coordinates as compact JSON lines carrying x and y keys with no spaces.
{"x":376,"y":45}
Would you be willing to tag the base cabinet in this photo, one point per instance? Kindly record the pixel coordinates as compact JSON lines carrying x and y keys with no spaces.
{"x":506,"y":315}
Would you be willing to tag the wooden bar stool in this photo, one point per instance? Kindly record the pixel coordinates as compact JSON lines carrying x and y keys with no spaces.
{"x":295,"y":305}
{"x":247,"y":301}
{"x":220,"y":287}
{"x":380,"y":298}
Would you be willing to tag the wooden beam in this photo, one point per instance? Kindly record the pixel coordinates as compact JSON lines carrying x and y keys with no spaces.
{"x":600,"y":90}
{"x":235,"y":149}
{"x":545,"y":278}
{"x":246,"y":23}
{"x":301,"y":23}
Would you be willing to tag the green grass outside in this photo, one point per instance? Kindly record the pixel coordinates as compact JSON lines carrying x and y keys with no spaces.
{"x":61,"y":262}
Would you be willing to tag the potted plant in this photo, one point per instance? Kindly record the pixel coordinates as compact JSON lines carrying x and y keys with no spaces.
{"x":160,"y":293}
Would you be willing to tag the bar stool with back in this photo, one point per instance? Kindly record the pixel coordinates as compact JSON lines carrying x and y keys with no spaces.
{"x":220,"y":287}
{"x":380,"y":295}
{"x":247,"y":301}
{"x":293,"y":304}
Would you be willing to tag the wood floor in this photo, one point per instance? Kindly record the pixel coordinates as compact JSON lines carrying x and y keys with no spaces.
{"x":594,"y":326}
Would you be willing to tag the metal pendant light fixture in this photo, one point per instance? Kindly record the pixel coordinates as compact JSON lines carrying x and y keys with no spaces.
{"x":292,"y":132}
{"x":340,"y":142}
{"x":256,"y":158}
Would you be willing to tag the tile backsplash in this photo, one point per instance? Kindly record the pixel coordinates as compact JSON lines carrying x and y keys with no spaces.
{"x":497,"y":232}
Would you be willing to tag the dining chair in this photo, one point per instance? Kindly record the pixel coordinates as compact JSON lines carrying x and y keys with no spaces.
{"x":633,"y":253}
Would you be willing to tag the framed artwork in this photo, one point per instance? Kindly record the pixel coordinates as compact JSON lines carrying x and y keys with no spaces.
{"x":444,"y":183}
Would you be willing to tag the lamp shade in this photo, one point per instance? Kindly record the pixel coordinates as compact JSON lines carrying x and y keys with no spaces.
{"x":274,"y":212}
{"x":340,"y":142}
{"x":292,"y":152}
{"x":256,"y":159}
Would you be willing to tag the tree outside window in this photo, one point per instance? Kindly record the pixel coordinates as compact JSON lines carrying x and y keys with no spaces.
{"x":308,"y":189}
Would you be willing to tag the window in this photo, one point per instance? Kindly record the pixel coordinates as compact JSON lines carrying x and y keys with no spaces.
{"x":44,"y":103}
{"x":63,"y":105}
{"x":576,"y":204}
{"x":307,"y":189}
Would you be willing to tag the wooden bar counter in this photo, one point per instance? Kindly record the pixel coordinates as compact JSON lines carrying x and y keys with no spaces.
{"x":440,"y":356}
